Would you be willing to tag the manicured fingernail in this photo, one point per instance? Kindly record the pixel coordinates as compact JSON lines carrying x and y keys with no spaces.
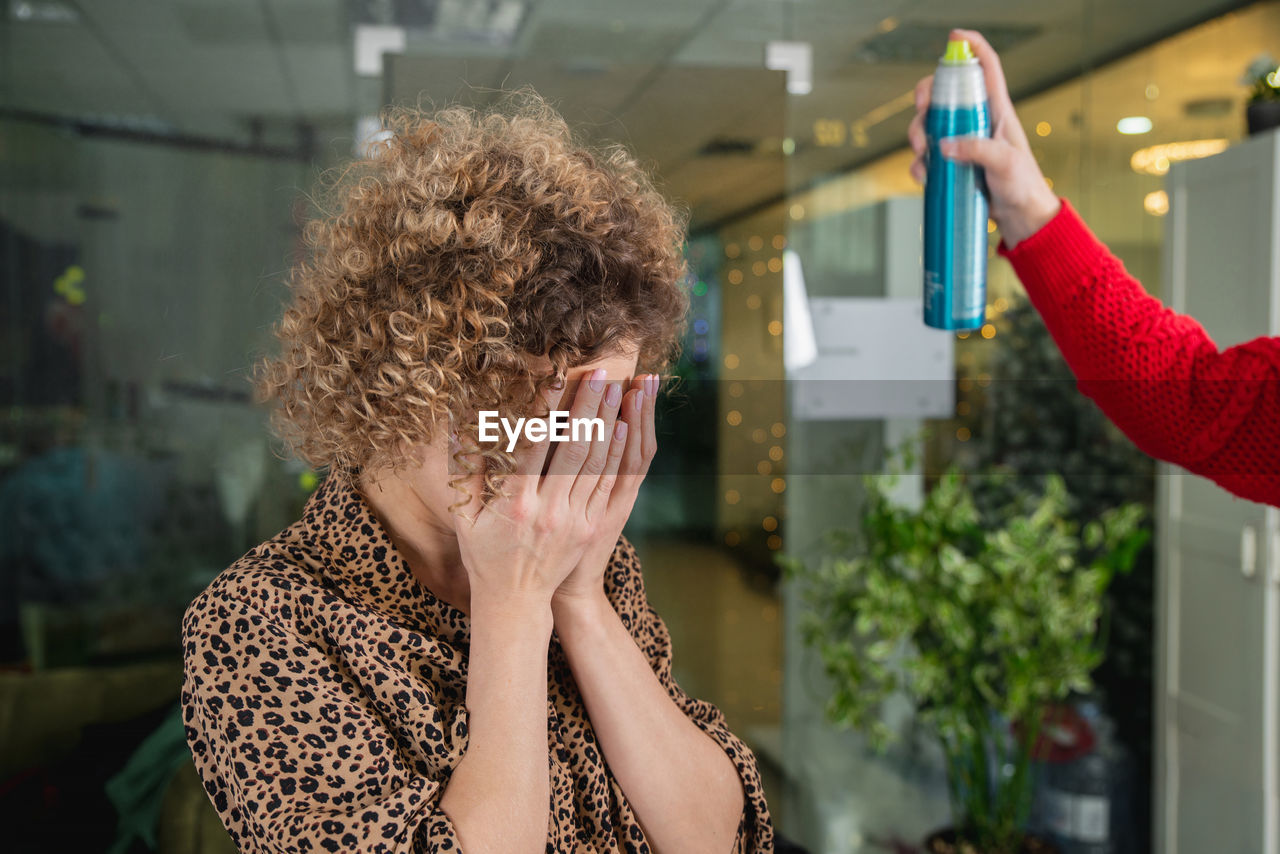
{"x":597,"y":379}
{"x":613,"y":395}
{"x":639,"y":400}
{"x":653,"y":384}
{"x":620,"y":431}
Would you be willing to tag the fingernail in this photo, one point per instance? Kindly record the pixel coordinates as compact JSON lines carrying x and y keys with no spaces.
{"x":613,"y":395}
{"x":597,"y":379}
{"x":620,"y":431}
{"x":947,"y":147}
{"x":653,"y":384}
{"x":639,"y":400}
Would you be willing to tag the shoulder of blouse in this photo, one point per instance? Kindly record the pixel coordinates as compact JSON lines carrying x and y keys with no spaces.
{"x":272,"y":579}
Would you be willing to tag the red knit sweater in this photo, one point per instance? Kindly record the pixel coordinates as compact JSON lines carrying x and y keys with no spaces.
{"x":1155,"y":373}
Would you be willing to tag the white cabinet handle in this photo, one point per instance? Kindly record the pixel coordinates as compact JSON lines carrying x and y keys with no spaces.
{"x":1248,"y":551}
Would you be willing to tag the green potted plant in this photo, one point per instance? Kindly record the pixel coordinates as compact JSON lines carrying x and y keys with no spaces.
{"x":1030,"y":419}
{"x":1263,"y":79}
{"x":982,"y":618}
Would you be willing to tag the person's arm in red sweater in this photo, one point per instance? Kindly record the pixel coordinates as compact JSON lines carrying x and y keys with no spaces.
{"x":1155,"y":373}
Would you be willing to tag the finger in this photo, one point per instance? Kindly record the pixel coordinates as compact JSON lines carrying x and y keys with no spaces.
{"x":990,"y":154}
{"x":599,"y":500}
{"x":597,"y":459}
{"x":916,"y":135}
{"x":924,"y":91}
{"x":992,"y":73}
{"x":650,"y":444}
{"x":568,"y":458}
{"x":918,"y":170}
{"x":633,"y":414}
{"x":532,"y":456}
{"x":642,"y":443}
{"x":1012,"y":132}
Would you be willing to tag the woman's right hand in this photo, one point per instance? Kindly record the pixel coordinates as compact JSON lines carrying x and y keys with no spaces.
{"x":1021,"y":201}
{"x":519,"y":547}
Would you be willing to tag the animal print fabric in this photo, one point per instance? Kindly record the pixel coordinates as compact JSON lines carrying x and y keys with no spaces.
{"x":324,"y":700}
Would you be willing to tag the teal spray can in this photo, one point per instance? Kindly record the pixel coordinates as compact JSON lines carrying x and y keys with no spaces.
{"x":955,"y":202}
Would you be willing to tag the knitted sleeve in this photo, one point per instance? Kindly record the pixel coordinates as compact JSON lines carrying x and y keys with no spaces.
{"x":1156,"y":373}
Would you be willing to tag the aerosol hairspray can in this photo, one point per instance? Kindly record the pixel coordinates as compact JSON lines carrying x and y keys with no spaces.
{"x":955,"y":204}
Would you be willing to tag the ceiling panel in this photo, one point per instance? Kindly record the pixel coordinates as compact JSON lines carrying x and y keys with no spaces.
{"x":573,"y":42}
{"x":209,"y":66}
{"x":681,"y":110}
{"x":322,"y":77}
{"x":66,"y":70}
{"x":438,"y":81}
{"x":310,"y":22}
{"x":586,"y":97}
{"x":220,"y":24}
{"x":686,"y":108}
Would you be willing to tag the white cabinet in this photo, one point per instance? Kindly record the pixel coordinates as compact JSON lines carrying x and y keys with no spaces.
{"x":1218,"y":557}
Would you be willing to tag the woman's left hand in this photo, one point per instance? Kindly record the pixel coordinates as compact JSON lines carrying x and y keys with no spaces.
{"x":586,"y":581}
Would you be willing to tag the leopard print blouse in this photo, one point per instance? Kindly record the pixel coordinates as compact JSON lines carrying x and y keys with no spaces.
{"x":324,"y":695}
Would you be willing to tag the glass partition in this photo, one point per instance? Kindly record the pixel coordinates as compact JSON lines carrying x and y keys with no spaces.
{"x":1015,"y":404}
{"x":158,"y":163}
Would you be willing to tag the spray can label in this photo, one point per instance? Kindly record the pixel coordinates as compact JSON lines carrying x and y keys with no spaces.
{"x":955,"y":201}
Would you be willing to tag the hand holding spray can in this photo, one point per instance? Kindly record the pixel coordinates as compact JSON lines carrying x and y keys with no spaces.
{"x":955,"y":203}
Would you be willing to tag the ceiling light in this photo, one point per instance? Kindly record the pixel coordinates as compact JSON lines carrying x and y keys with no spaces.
{"x":1130,"y":125}
{"x":800,"y":344}
{"x":795,"y":58}
{"x":46,"y":12}
{"x":1155,"y":159}
{"x":371,"y":42}
{"x":1157,"y":203}
{"x":491,"y":24}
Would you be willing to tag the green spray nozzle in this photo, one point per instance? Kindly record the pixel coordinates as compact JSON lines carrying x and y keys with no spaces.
{"x":958,"y":51}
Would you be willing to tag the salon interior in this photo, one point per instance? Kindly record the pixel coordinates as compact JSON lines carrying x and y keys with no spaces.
{"x":157,"y":160}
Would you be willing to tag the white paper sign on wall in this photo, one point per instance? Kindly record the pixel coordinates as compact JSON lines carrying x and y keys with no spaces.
{"x":876,"y":359}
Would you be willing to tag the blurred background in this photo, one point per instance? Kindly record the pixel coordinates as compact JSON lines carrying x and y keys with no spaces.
{"x":155,"y":160}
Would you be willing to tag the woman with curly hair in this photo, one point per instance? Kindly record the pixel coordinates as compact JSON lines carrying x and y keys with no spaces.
{"x":452,"y":648}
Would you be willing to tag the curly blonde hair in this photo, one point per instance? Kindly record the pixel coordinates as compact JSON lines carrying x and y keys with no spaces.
{"x":465,"y":248}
